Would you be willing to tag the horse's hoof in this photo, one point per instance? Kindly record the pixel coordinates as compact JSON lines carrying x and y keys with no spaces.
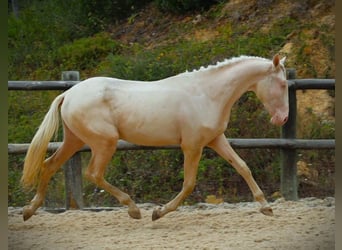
{"x":134,"y":213}
{"x":266,"y":211}
{"x":27,"y":213}
{"x":156,"y":214}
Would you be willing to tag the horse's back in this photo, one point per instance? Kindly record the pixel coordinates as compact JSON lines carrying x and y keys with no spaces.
{"x":143,"y":113}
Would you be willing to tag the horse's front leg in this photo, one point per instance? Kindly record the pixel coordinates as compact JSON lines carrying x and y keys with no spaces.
{"x":223,"y":148}
{"x":191,"y":159}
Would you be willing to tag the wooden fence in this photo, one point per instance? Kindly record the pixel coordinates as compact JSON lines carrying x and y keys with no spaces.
{"x":288,"y":144}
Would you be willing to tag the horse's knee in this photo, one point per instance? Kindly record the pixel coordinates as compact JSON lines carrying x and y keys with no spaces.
{"x":243,"y":169}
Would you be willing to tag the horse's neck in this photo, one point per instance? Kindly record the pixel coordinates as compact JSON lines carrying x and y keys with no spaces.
{"x":226,"y":85}
{"x":230,"y":82}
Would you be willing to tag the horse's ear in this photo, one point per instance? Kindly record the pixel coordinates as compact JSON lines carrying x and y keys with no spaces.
{"x":282,"y":61}
{"x":276,"y":60}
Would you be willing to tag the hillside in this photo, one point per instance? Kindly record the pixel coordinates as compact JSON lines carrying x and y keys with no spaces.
{"x":309,"y":44}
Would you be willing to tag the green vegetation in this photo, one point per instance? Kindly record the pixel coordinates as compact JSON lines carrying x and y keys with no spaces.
{"x":53,"y":36}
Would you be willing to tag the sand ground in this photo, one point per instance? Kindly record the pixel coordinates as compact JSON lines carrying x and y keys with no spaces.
{"x":307,"y":224}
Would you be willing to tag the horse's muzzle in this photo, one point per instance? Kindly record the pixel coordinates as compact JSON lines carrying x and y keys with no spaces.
{"x":279,"y":120}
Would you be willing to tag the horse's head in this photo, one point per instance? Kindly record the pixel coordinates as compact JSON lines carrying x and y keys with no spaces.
{"x":272,"y":90}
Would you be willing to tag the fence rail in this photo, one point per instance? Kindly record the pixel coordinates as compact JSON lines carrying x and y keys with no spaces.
{"x":41,"y":85}
{"x":64,"y":85}
{"x":288,"y":143}
{"x":14,"y":148}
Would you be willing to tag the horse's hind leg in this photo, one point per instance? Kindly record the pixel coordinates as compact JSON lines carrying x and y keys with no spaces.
{"x":102,"y":152}
{"x":70,"y":145}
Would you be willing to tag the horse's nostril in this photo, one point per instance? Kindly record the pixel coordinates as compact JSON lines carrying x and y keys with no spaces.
{"x":285,"y":119}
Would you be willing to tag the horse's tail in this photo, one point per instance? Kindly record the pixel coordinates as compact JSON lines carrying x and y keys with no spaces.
{"x":35,"y":156}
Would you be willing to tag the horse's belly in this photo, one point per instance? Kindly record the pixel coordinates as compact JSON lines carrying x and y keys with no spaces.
{"x":149,"y":127}
{"x":152,"y":136}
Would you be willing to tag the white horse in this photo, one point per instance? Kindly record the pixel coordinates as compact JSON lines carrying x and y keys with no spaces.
{"x":191,"y":109}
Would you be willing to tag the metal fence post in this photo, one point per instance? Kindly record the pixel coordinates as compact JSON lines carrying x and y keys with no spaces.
{"x":73,"y":167}
{"x":289,"y":186}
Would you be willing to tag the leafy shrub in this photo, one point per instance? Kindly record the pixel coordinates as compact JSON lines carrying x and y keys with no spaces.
{"x":34,"y":36}
{"x":86,"y":53}
{"x":140,"y":64}
{"x":26,"y":112}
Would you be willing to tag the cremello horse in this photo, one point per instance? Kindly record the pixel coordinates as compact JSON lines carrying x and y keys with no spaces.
{"x":191,"y":109}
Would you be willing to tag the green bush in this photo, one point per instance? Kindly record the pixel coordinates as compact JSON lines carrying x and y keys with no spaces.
{"x":35,"y":35}
{"x":136,"y":63}
{"x":86,"y":53}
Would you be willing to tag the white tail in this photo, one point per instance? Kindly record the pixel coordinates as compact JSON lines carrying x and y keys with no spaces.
{"x":35,"y":156}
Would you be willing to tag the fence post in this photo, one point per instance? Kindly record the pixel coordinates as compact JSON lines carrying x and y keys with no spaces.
{"x":288,"y":186}
{"x":73,"y":167}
